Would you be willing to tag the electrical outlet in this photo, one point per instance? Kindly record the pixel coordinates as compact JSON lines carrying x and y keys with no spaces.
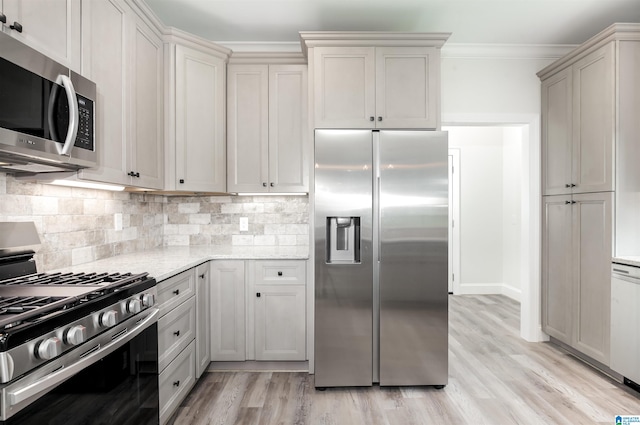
{"x":117,"y":221}
{"x":244,"y":224}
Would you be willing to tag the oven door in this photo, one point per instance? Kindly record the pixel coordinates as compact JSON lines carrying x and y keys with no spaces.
{"x":113,"y":379}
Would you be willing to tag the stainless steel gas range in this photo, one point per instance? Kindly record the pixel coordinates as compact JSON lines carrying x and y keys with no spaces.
{"x":75,"y":348}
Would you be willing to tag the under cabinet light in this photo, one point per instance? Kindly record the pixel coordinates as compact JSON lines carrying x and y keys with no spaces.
{"x":87,"y":185}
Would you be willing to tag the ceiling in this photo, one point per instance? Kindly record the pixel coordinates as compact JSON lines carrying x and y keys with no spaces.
{"x":470,"y":21}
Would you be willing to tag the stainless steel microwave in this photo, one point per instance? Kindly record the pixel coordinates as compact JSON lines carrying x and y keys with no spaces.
{"x":47,"y":113}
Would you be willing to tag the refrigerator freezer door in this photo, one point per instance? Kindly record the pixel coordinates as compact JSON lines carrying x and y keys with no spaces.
{"x":343,"y":287}
{"x":413,"y":258}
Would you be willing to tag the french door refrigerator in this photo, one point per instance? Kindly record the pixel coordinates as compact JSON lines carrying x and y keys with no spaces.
{"x":381,"y":235}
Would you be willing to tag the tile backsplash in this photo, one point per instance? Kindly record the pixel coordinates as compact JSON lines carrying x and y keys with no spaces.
{"x":82,"y":225}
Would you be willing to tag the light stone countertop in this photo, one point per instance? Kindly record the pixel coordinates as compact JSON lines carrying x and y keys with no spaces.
{"x":628,"y":260}
{"x":164,"y":262}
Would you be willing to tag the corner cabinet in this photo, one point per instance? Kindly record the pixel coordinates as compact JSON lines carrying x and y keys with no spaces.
{"x":267,"y":128}
{"x":375,"y":79}
{"x":123,"y":55}
{"x":258,"y":310}
{"x":51,"y":27}
{"x":196,"y":154}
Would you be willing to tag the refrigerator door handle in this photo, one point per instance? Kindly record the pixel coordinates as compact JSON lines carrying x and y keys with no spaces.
{"x":378,"y":230}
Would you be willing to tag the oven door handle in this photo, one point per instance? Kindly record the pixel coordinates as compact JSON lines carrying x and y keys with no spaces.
{"x":51,"y":381}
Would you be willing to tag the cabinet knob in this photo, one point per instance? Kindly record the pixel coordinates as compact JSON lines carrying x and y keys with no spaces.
{"x":379,"y":118}
{"x":181,"y":180}
{"x":279,"y":273}
{"x":177,"y":333}
{"x":272,"y":184}
{"x":567,"y":185}
{"x":264,"y":184}
{"x":176,"y":384}
{"x":3,"y":18}
{"x":202,"y":276}
{"x":573,"y":185}
{"x":137,"y":174}
{"x":176,"y":292}
{"x":567,"y":202}
{"x":258,"y":294}
{"x":372,"y":119}
{"x":16,"y":26}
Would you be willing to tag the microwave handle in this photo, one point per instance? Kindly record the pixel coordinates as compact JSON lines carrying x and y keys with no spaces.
{"x":72,"y":132}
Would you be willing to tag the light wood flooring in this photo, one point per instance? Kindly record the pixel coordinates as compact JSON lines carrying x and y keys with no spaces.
{"x":495,"y":377}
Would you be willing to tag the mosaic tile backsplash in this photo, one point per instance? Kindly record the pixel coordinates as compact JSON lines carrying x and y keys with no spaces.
{"x":81,"y":225}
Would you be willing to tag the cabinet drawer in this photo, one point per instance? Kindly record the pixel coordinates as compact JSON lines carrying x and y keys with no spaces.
{"x":175,"y":290}
{"x":175,"y":331}
{"x":176,"y":381}
{"x":280,"y":272}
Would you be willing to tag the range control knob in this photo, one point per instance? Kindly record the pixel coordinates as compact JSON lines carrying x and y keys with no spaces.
{"x":134,"y":306}
{"x":75,"y":335}
{"x":148,"y":300}
{"x":108,"y":319}
{"x":49,"y":348}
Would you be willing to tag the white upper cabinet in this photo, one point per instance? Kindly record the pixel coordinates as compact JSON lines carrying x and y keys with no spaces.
{"x":375,"y":79}
{"x":345,"y":88}
{"x":196,"y":143}
{"x":123,"y":55}
{"x":578,"y":135}
{"x":267,"y":128}
{"x":50,"y":26}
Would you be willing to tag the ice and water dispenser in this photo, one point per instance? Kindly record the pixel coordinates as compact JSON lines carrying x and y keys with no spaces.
{"x":343,"y":240}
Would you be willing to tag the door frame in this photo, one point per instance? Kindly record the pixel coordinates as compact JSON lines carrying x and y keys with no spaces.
{"x":530,"y":316}
{"x":454,"y":221}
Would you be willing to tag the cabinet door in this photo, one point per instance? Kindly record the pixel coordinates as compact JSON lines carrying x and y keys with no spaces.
{"x":203,"y":321}
{"x":592,"y":232}
{"x":344,"y":87}
{"x":247,"y":128}
{"x":227,"y":311}
{"x":200,"y":103}
{"x":279,"y":322}
{"x":288,"y":169}
{"x":146,"y":144}
{"x":407,"y":87}
{"x":50,"y":26}
{"x":557,"y":140}
{"x":593,"y":117}
{"x":105,"y":61}
{"x":557,"y":280}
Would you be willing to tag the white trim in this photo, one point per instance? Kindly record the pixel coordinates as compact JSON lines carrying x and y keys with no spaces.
{"x":512,"y":292}
{"x":505,"y":51}
{"x":481,"y":288}
{"x":530,"y":328}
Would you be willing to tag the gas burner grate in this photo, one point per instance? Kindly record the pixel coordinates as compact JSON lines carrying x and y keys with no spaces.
{"x":72,"y":279}
{"x":14,"y":305}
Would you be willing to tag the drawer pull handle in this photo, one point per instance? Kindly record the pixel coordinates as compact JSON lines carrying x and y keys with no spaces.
{"x":176,"y":292}
{"x":176,"y":384}
{"x":202,"y":276}
{"x":258,"y":294}
{"x":177,"y":333}
{"x":279,"y":273}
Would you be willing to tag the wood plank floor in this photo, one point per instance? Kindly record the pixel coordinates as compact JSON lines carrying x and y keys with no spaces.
{"x":495,"y":377}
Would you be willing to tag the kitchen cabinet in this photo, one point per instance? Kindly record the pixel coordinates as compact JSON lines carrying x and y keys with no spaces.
{"x":227,"y":311}
{"x":196,"y":152}
{"x":123,"y":55}
{"x":49,"y":26}
{"x":179,"y":332}
{"x":203,"y":321}
{"x":267,"y":128}
{"x":578,"y":114}
{"x":258,"y":310}
{"x":377,"y":87}
{"x":576,"y":281}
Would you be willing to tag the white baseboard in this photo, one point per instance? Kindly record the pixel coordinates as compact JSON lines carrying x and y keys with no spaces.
{"x":491,"y":289}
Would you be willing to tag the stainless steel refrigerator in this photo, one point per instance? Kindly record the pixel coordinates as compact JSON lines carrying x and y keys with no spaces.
{"x":381,"y":246}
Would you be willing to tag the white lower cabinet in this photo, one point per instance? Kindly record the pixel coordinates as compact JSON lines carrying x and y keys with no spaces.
{"x":258,"y":310}
{"x":181,"y":301}
{"x":176,"y":381}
